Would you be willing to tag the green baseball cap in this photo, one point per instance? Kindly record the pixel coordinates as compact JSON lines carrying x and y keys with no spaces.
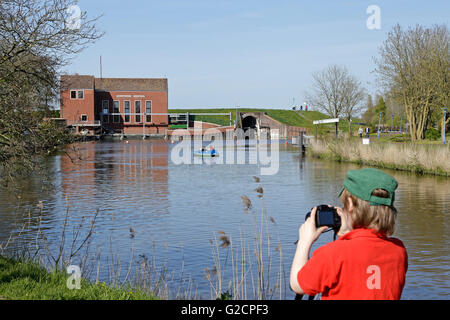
{"x":361,"y":183}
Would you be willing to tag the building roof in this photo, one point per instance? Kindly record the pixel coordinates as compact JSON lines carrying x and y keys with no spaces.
{"x":130,"y":84}
{"x":113,"y":84}
{"x":76,"y":82}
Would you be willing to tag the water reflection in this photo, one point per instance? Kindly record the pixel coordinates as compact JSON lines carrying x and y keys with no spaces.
{"x":423,"y":219}
{"x":131,"y":176}
{"x":174,"y":209}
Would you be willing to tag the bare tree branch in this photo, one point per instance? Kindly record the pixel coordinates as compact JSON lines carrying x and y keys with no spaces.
{"x":336,"y":92}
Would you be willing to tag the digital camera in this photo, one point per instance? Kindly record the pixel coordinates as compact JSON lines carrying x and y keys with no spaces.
{"x":326,"y":216}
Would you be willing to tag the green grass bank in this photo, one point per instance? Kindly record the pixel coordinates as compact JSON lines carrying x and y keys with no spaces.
{"x":290,"y":117}
{"x":25,"y":280}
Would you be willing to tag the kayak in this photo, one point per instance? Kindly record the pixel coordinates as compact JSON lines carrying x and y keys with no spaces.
{"x":200,"y":153}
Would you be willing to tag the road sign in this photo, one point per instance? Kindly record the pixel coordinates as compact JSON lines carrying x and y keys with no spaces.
{"x":326,"y":121}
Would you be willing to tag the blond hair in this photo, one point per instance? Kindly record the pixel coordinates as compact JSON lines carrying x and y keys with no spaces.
{"x":380,"y":217}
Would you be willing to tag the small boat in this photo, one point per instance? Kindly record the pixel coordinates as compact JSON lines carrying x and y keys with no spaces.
{"x":206,"y":153}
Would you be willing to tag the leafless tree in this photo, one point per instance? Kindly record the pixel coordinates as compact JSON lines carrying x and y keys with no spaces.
{"x":336,"y":92}
{"x":353,"y":94}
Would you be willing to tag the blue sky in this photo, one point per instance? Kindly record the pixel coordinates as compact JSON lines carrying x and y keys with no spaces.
{"x":223,"y":53}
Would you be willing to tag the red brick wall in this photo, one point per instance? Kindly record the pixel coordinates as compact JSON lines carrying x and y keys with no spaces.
{"x":159,"y":105}
{"x":91,"y":105}
{"x":72,"y":109}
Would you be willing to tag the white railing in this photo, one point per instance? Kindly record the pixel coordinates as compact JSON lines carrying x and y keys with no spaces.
{"x":81,"y":123}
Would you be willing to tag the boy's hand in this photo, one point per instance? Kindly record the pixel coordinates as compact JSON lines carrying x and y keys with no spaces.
{"x":346,"y":222}
{"x":308,"y":232}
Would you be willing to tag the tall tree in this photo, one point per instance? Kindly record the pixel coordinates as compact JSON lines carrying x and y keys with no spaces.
{"x":414,"y":66}
{"x":336,"y":92}
{"x":369,"y":113}
{"x":37,"y":39}
{"x":381,"y":106}
{"x":369,"y":101}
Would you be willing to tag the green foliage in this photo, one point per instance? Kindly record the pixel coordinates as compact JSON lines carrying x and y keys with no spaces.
{"x":381,"y":106}
{"x":432,"y":134}
{"x":414,"y":66}
{"x":400,"y":138}
{"x":369,"y":102}
{"x":177,"y":126}
{"x":369,"y":115}
{"x":225,"y":296}
{"x":24,"y":140}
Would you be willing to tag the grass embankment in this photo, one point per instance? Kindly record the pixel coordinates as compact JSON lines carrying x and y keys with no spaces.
{"x":23,"y":280}
{"x":400,"y":138}
{"x":414,"y":157}
{"x":290,"y":117}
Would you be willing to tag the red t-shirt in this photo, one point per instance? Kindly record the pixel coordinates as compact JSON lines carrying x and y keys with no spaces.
{"x":362,"y":264}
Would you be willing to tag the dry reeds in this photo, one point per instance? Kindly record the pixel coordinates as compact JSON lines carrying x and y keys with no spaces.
{"x":249,"y":274}
{"x":144,"y":274}
{"x":419,"y":158}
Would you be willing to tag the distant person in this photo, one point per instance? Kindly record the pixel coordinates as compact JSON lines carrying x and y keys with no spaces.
{"x":301,"y":108}
{"x":367,"y":132}
{"x":212,"y":151}
{"x":306,"y":107}
{"x":360,"y":132}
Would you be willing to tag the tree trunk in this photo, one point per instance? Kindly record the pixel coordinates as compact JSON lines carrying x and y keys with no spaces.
{"x":349,"y":128}
{"x":444,"y":125}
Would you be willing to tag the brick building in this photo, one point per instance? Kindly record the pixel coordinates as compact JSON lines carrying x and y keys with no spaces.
{"x":115,"y":105}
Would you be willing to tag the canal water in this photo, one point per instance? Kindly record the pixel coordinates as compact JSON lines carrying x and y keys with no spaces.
{"x":193,"y":222}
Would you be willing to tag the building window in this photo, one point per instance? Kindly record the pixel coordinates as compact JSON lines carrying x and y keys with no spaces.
{"x":105,"y":108}
{"x":137,"y":109}
{"x":126,"y":105}
{"x":73,"y":94}
{"x":116,"y":109}
{"x":148,"y":111}
{"x":80,"y":94}
{"x":84,"y":117}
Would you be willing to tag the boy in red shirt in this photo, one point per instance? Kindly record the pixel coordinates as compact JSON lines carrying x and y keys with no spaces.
{"x":364,"y":263}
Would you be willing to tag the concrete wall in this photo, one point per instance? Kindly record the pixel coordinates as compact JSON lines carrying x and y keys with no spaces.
{"x":265,"y":122}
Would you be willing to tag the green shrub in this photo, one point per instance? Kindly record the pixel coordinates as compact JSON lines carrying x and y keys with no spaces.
{"x":432,"y":134}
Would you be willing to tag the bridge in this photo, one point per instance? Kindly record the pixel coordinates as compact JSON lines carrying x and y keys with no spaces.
{"x":261,"y":122}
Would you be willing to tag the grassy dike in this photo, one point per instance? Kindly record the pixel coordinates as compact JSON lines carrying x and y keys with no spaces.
{"x":413,"y":157}
{"x":290,"y":117}
{"x":23,"y":280}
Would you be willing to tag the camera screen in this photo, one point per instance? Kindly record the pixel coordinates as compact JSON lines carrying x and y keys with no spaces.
{"x":326,"y":218}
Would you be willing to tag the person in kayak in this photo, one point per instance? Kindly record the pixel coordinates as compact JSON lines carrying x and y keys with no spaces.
{"x":365,"y":263}
{"x":212,"y":151}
